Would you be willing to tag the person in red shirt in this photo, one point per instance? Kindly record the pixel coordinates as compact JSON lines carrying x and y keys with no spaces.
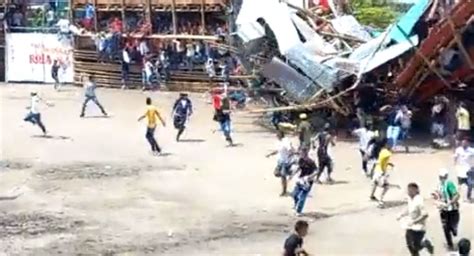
{"x":116,"y":25}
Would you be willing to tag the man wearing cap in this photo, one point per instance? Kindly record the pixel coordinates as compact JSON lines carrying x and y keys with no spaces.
{"x":182,"y":110}
{"x":380,"y":177}
{"x":304,"y":131}
{"x":447,"y":198}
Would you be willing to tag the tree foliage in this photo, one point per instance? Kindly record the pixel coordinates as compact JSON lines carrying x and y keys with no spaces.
{"x":374,"y":13}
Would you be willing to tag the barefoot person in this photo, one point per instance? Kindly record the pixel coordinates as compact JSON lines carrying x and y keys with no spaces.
{"x":152,"y":115}
{"x":284,"y":150}
{"x":380,"y":178}
{"x":304,"y":131}
{"x":447,"y":197}
{"x":294,"y":243}
{"x":34,"y":115}
{"x":307,"y":172}
{"x":182,"y":110}
{"x":223,"y":118}
{"x":89,"y":93}
{"x":415,"y":222}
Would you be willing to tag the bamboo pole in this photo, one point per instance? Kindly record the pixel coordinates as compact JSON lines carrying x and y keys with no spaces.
{"x":96,"y":27}
{"x":122,"y":11}
{"x":422,"y":56}
{"x":458,"y":39}
{"x":203,"y":17}
{"x":173,"y":17}
{"x":148,"y":14}
{"x":70,"y":13}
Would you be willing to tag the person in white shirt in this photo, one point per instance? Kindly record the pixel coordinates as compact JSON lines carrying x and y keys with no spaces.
{"x":17,"y":20}
{"x":63,"y":25}
{"x":125,"y":67}
{"x":285,"y":151}
{"x":365,"y":134}
{"x":143,"y":48}
{"x":34,"y":115}
{"x":148,"y":69}
{"x":463,"y":158}
{"x":415,"y":222}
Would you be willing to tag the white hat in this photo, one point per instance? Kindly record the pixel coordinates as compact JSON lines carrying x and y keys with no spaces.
{"x":443,"y":172}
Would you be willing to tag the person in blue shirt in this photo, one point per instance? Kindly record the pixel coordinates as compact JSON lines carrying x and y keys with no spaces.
{"x":89,"y":93}
{"x":182,"y":110}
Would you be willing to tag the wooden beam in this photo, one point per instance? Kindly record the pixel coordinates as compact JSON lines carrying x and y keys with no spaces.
{"x":203,"y":17}
{"x":458,"y":39}
{"x":173,"y":16}
{"x":423,"y":57}
{"x":70,"y":12}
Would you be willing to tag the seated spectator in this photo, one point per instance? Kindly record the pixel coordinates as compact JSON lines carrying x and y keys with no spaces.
{"x":17,"y":19}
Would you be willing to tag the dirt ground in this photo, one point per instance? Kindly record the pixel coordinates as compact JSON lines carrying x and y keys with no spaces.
{"x":93,"y":188}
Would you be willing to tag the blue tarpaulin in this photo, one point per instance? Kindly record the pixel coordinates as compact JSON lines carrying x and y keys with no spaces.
{"x":408,"y":21}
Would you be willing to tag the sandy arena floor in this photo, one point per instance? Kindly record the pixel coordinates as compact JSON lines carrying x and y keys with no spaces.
{"x":93,"y":188}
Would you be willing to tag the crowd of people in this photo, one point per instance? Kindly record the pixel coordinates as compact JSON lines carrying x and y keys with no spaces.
{"x":313,"y":156}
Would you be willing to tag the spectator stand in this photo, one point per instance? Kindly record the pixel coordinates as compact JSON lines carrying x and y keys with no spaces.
{"x":168,"y":27}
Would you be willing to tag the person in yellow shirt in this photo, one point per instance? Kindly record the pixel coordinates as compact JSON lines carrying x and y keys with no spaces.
{"x":464,"y":124}
{"x":152,"y":115}
{"x":380,"y":177}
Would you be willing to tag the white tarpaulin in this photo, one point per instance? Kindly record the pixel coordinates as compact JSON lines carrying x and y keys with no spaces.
{"x":29,"y":57}
{"x":303,"y":27}
{"x":348,"y":25}
{"x":276,"y":15}
{"x":250,"y":31}
{"x":387,"y":54}
{"x":367,"y":49}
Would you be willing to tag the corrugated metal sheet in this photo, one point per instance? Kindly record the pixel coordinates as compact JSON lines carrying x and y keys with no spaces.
{"x":325,"y":76}
{"x":348,"y":25}
{"x":298,"y":87}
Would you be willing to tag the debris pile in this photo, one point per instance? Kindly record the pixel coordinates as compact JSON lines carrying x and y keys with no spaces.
{"x":317,"y":55}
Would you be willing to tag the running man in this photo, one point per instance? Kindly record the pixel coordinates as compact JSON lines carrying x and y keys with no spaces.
{"x":294,"y":243}
{"x":463,"y":157}
{"x":447,"y":197}
{"x":152,"y":115}
{"x":223,"y":117}
{"x":89,"y":93}
{"x":415,"y":222}
{"x":380,"y":177}
{"x":304,"y":131}
{"x":365,"y":134}
{"x":325,"y":161}
{"x":34,"y":116}
{"x":307,"y":172}
{"x":285,"y":151}
{"x":182,"y":110}
{"x":55,"y":74}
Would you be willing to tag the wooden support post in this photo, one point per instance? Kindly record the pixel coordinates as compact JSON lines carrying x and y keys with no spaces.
{"x":96,"y":27}
{"x":70,"y":12}
{"x":122,"y":11}
{"x":458,"y":39}
{"x":173,"y":17}
{"x":148,"y":13}
{"x":203,"y":17}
